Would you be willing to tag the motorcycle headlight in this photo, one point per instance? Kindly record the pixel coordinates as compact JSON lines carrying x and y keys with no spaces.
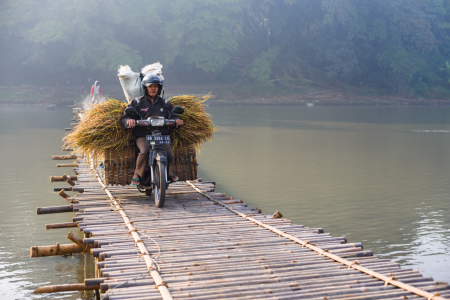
{"x":157,"y":122}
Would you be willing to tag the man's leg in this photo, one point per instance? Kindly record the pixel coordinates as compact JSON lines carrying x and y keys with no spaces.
{"x":142,"y":158}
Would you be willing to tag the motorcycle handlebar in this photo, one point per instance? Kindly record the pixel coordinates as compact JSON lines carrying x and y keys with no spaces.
{"x":167,"y":123}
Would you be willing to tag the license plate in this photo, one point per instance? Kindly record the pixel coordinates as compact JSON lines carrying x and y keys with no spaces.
{"x":158,"y":139}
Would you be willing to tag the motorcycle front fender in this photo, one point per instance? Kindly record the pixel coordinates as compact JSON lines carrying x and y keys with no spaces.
{"x":157,"y":156}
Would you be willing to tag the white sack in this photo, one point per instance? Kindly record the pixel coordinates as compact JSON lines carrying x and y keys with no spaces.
{"x":131,"y":82}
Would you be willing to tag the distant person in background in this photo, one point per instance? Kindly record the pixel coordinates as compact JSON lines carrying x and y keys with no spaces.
{"x":96,"y":92}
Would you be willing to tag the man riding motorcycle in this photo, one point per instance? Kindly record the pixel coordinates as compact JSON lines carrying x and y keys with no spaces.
{"x":150,"y":105}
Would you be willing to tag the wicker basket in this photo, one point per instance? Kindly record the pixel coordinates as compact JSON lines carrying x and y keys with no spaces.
{"x":185,"y":166}
{"x":119,"y":166}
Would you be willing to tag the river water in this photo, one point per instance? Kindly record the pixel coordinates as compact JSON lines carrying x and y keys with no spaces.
{"x":375,"y":174}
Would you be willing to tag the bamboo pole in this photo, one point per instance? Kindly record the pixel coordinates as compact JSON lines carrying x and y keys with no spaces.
{"x":60,"y":178}
{"x":68,"y":180}
{"x":64,"y":249}
{"x":60,"y":225}
{"x":70,"y":189}
{"x":77,"y":241}
{"x":67,"y":165}
{"x":64,"y":157}
{"x":65,"y":288}
{"x":54,"y":209}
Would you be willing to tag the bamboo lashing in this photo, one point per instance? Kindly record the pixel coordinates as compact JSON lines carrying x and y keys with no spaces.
{"x":151,"y":265}
{"x":334,"y":257}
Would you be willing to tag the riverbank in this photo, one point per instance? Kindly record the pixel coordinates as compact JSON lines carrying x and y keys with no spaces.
{"x":223,"y":95}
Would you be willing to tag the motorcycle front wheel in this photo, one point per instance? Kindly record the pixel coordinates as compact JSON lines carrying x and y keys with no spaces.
{"x":160,"y":184}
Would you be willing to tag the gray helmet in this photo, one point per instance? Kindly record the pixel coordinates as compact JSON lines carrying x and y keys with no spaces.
{"x":151,"y":79}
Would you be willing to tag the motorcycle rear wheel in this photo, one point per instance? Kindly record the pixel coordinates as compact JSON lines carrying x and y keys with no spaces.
{"x":160,"y":184}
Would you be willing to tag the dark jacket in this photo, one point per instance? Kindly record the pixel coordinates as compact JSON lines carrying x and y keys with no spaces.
{"x":144,"y":106}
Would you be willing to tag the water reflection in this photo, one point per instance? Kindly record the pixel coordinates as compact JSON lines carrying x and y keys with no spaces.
{"x":359,"y":172}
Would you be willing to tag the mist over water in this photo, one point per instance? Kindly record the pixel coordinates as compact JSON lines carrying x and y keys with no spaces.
{"x":377,"y":175}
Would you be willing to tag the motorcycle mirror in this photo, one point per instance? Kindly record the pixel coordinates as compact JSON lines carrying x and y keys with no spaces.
{"x":178,"y":110}
{"x":132,"y":112}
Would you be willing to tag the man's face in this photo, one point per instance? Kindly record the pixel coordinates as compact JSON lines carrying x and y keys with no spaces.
{"x":152,"y":89}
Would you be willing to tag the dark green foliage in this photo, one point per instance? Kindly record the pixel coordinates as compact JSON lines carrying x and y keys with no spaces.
{"x":395,"y":46}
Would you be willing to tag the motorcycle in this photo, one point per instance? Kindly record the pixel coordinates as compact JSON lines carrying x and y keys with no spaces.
{"x":155,"y":175}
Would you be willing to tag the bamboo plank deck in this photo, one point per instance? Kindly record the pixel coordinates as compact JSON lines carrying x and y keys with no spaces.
{"x":206,"y":251}
{"x":207,"y":245}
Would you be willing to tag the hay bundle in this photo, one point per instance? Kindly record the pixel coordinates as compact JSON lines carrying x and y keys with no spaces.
{"x":198,"y":126}
{"x":101,"y":128}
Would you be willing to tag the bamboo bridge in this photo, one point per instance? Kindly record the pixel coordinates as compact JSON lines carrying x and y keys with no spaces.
{"x":207,"y":245}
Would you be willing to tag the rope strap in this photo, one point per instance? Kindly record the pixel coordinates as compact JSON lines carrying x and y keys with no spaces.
{"x":389,"y":280}
{"x":163,"y":283}
{"x":353,"y":263}
{"x":322,"y":252}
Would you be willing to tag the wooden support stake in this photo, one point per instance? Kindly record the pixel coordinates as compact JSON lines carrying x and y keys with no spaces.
{"x":68,"y":149}
{"x":64,"y":157}
{"x":54,"y":209}
{"x":68,"y":180}
{"x":64,"y":249}
{"x":61,"y":225}
{"x":77,"y":240}
{"x":65,"y":288}
{"x":62,"y":194}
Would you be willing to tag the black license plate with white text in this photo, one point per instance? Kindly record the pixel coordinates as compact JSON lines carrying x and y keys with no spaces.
{"x":158,"y":139}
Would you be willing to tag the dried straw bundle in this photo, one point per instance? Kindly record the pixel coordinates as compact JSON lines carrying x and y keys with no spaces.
{"x":198,"y":126}
{"x":100,"y":129}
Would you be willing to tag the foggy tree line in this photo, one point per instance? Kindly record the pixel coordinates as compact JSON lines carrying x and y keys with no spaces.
{"x":396,"y":46}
